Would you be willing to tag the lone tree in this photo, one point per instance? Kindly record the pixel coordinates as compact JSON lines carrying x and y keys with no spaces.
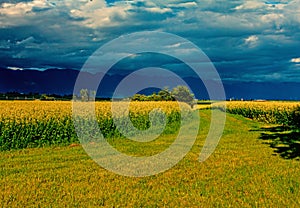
{"x":84,"y":94}
{"x":87,"y":95}
{"x":92,"y":95}
{"x":183,"y":94}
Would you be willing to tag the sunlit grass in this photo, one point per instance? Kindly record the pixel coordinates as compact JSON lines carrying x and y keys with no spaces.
{"x":203,"y":106}
{"x":242,"y":172}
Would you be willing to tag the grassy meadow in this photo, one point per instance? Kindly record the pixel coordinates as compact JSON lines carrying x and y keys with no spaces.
{"x":256,"y":164}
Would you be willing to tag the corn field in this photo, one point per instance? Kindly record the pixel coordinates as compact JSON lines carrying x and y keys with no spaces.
{"x":274,"y":112}
{"x":42,"y":123}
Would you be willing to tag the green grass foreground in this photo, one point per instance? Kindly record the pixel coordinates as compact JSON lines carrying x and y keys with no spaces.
{"x":244,"y":171}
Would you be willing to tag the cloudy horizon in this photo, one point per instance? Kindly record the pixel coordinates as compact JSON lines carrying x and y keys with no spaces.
{"x":246,"y":40}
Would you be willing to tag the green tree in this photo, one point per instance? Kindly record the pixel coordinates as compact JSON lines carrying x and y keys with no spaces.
{"x":43,"y":97}
{"x":74,"y":97}
{"x":92,"y":95}
{"x":183,"y":94}
{"x":84,"y":94}
{"x":154,"y":97}
{"x":165,"y":94}
{"x":139,"y":97}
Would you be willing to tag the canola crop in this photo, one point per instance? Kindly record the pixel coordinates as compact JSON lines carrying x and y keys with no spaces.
{"x":42,"y":123}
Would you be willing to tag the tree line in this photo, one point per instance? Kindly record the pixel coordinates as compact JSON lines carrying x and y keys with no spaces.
{"x":179,"y":93}
{"x":33,"y":96}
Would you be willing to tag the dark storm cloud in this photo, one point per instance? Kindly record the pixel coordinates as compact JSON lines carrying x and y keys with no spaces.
{"x":246,"y":40}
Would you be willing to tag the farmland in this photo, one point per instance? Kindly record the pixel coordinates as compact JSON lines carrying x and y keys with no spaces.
{"x":254,"y":165}
{"x":287,"y":113}
{"x":37,"y":124}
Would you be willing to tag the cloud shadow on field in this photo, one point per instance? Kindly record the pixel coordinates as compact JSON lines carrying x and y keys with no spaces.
{"x":285,"y":140}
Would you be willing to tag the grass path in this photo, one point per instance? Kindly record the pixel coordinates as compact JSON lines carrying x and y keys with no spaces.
{"x":242,"y":172}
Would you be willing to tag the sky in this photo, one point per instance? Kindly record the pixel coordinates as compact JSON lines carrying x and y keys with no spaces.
{"x":253,"y":40}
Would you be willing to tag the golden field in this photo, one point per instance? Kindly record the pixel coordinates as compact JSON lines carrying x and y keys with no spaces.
{"x":39,"y":123}
{"x":276,"y":112}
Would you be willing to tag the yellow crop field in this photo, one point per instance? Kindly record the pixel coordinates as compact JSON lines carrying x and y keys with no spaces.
{"x":277,"y":112}
{"x":44,"y":110}
{"x":38,"y":123}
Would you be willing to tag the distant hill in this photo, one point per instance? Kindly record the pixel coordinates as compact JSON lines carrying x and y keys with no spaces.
{"x":61,"y":81}
{"x":48,"y":81}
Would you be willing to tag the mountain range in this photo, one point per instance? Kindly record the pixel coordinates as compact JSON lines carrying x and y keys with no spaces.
{"x":62,"y":81}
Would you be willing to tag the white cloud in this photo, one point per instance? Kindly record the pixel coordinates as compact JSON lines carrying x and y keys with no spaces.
{"x":176,"y":45}
{"x":250,"y":5}
{"x":26,"y":41}
{"x":292,"y":11}
{"x":23,"y":8}
{"x":184,"y":5}
{"x":158,"y":10}
{"x":23,"y":12}
{"x":273,"y":19}
{"x":15,"y":9}
{"x":295,"y":60}
{"x":251,"y":41}
{"x":260,"y":5}
{"x":14,"y":68}
{"x":252,"y":38}
{"x":97,"y":14}
{"x":274,"y":76}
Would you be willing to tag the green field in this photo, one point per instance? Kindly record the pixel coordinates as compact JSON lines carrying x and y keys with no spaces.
{"x":246,"y":170}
